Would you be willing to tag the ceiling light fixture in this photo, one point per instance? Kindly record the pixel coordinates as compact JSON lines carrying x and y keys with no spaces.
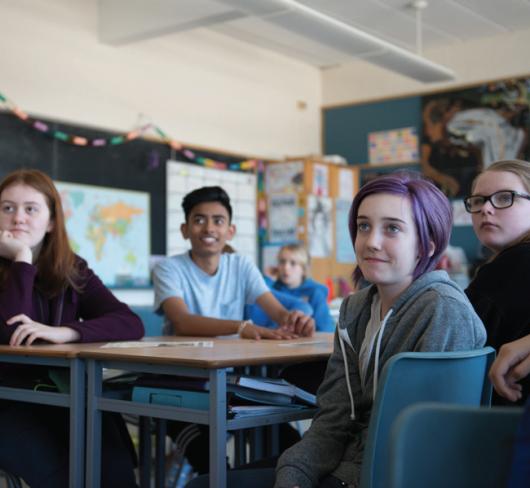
{"x":310,"y":23}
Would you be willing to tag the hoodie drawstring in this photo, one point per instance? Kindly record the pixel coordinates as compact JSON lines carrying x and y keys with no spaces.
{"x":343,"y":336}
{"x":347,"y":370}
{"x":377,"y":351}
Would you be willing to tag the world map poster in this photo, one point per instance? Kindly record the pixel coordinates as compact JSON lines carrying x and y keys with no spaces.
{"x":110,"y":228}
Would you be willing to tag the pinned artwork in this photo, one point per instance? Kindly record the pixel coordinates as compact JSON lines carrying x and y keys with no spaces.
{"x":320,"y":180}
{"x":283,"y":217}
{"x":393,"y":146}
{"x":320,"y":226}
{"x":346,"y":184}
{"x":344,"y":247}
{"x":284,"y":177}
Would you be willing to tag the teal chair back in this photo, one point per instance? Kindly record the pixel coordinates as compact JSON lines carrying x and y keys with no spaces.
{"x":153,"y":322}
{"x":453,"y":446}
{"x":413,"y":377}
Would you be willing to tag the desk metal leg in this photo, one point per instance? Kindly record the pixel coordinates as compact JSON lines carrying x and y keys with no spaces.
{"x":240,"y":445}
{"x":77,"y":422}
{"x":144,"y":433}
{"x":256,"y":443}
{"x":217,"y":422}
{"x":160,"y":467}
{"x":93,"y":454}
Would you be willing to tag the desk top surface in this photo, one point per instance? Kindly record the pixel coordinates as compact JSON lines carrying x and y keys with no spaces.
{"x":209,"y":353}
{"x":68,"y":351}
{"x":216,"y":352}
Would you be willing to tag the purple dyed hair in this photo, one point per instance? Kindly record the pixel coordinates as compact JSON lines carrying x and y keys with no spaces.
{"x":431,"y":211}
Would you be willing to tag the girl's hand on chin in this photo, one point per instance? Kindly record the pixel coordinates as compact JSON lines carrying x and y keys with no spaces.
{"x":13,"y":249}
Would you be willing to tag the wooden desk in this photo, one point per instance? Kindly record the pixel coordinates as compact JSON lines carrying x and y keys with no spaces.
{"x":205,"y":362}
{"x":65,"y":356}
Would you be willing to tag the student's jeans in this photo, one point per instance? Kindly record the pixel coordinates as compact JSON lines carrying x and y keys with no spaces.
{"x":35,"y":446}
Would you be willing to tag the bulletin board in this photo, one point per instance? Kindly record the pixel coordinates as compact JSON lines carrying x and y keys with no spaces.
{"x":308,"y":202}
{"x":182,"y":178}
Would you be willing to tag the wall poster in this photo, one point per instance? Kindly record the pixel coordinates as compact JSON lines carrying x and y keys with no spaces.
{"x":464,"y":131}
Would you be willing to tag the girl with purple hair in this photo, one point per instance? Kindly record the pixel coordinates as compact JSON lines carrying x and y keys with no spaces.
{"x":399,"y":226}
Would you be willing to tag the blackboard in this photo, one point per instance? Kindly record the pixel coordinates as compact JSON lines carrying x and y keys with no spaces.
{"x":136,"y":165}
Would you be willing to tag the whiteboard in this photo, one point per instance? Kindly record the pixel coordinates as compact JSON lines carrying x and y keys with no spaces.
{"x":183,"y":178}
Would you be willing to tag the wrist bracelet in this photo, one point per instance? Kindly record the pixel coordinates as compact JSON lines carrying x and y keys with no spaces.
{"x":242,"y":326}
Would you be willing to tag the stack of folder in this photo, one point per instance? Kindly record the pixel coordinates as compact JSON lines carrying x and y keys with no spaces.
{"x":246,"y":395}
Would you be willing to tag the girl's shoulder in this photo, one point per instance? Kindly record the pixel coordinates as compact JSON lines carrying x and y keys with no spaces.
{"x":515,"y":255}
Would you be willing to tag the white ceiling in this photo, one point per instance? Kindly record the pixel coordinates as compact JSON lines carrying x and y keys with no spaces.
{"x":443,"y":22}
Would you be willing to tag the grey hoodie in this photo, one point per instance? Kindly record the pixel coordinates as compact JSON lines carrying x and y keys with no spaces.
{"x":432,"y":314}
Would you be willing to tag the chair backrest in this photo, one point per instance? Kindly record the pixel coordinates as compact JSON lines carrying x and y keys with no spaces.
{"x":412,"y":377}
{"x":153,"y":323}
{"x":439,"y":445}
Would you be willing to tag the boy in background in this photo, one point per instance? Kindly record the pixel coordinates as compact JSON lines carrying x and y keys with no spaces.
{"x":203,"y":292}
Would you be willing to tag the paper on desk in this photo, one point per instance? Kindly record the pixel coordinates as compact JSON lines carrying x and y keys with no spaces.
{"x":305,"y":343}
{"x":127,"y":344}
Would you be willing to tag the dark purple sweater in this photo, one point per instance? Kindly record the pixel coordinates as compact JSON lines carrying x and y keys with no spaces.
{"x":94,"y":312}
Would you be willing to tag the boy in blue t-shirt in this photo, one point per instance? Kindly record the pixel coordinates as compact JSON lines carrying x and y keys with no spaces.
{"x":203,"y":292}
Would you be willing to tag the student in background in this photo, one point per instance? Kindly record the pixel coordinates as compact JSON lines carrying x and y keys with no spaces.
{"x":203,"y":292}
{"x":295,"y":291}
{"x":500,"y":209}
{"x":293,"y":279}
{"x":399,"y":225}
{"x":49,"y":294}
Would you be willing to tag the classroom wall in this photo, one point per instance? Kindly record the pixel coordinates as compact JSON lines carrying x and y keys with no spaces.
{"x":475,"y":61}
{"x":199,"y":87}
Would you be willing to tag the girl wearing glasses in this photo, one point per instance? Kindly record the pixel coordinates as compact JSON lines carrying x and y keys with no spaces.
{"x":500,"y":210}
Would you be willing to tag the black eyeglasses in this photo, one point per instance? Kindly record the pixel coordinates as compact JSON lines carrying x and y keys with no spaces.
{"x":499,"y":199}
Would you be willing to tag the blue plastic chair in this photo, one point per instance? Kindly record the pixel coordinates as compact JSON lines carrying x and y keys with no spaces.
{"x":413,"y":377}
{"x":153,"y":323}
{"x":453,"y":446}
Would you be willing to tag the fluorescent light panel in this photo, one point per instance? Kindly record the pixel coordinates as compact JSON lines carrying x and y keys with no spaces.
{"x":343,"y":37}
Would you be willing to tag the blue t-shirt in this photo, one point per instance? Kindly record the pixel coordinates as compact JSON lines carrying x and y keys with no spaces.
{"x":224,"y":295}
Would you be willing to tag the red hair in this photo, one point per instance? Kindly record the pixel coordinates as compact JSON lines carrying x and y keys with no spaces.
{"x":56,"y":262}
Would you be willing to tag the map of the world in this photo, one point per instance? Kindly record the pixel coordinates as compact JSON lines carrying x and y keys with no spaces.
{"x":110,"y":228}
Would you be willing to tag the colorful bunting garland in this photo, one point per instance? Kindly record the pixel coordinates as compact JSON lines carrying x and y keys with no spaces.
{"x":122,"y":139}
